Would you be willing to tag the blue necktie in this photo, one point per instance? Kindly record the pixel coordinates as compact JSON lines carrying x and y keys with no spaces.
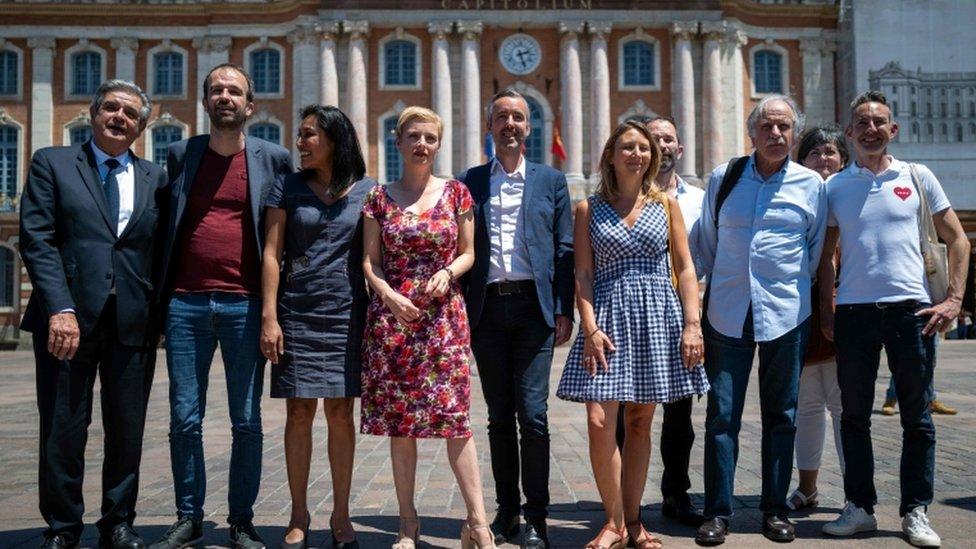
{"x":111,"y":188}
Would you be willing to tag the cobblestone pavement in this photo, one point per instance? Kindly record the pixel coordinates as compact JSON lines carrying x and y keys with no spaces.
{"x":576,"y":512}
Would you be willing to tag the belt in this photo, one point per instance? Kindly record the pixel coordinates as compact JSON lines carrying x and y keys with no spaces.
{"x":511,"y":287}
{"x":905,"y":304}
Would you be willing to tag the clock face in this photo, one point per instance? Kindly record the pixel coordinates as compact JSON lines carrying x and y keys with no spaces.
{"x":520,"y":54}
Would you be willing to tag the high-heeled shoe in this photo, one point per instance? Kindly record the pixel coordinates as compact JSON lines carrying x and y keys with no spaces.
{"x":353,"y":544}
{"x":303,"y":544}
{"x":467,"y":537}
{"x":405,"y":540}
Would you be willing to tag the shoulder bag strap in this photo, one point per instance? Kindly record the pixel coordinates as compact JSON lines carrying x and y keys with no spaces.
{"x":667,"y":216}
{"x":926,"y":226}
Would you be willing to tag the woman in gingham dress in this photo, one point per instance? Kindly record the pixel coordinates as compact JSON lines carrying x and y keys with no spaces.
{"x":634,"y":345}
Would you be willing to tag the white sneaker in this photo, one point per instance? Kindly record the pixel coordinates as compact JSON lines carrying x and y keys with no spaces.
{"x":852,"y":520}
{"x":916,"y":527}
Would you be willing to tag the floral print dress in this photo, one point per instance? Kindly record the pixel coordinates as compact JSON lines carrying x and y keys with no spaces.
{"x":416,"y":376}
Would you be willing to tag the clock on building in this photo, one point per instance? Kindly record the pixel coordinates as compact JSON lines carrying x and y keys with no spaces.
{"x":520,"y":54}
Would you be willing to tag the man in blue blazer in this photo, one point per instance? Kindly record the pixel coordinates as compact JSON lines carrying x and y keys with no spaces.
{"x":211,"y":293}
{"x":88,"y":220}
{"x":519,"y":297}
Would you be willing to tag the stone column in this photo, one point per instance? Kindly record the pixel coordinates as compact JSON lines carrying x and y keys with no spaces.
{"x":328,"y":31}
{"x":599,"y":125}
{"x":440,"y":73}
{"x":712,"y":105}
{"x":125,"y":58}
{"x":471,"y":92}
{"x":571,"y":82}
{"x":42,"y":98}
{"x":356,"y":91}
{"x":818,"y":79}
{"x":305,"y":75}
{"x":683,"y":95}
{"x":211,"y":51}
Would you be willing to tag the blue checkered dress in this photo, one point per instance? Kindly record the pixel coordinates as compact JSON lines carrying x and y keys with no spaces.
{"x":637,"y":307}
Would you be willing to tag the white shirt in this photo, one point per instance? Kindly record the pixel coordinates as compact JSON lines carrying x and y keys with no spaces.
{"x":126,"y":179}
{"x":690,"y":200}
{"x":509,"y":258}
{"x":877,"y":216}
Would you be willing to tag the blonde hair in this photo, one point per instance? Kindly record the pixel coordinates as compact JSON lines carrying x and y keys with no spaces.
{"x":608,"y":189}
{"x":413,"y":114}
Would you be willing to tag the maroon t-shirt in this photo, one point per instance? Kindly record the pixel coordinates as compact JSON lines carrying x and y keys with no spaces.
{"x":217,"y":251}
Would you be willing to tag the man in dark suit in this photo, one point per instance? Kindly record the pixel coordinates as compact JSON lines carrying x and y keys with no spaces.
{"x":87,"y":226}
{"x":519,"y":296}
{"x":211,"y":292}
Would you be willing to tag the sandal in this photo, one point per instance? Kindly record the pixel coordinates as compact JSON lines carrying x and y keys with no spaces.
{"x":621,"y":542}
{"x":644,"y":539}
{"x":405,"y":540}
{"x":799,"y":500}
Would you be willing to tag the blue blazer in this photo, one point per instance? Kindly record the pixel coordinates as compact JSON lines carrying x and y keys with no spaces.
{"x":266,"y":162}
{"x":547,"y":217}
{"x":70,"y":248}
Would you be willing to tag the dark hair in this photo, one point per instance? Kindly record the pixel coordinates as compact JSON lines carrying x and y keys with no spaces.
{"x":823,"y":135}
{"x":870,"y":96}
{"x":648,"y":120}
{"x":109,"y":86}
{"x":249,"y":92}
{"x":348,"y":165}
{"x":507,"y":92}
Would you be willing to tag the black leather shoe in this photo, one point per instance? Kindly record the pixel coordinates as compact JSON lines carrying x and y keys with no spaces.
{"x":505,"y":526}
{"x":185,"y":532}
{"x":59,"y":541}
{"x":712,"y":532}
{"x":777,"y":529}
{"x":535,"y":535}
{"x":122,"y":537}
{"x":681,"y":510}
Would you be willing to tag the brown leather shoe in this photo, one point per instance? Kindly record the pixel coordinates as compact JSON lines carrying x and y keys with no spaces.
{"x":938,"y":407}
{"x":888,"y":408}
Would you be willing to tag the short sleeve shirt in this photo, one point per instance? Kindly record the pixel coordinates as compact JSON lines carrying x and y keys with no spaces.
{"x":877,"y":216}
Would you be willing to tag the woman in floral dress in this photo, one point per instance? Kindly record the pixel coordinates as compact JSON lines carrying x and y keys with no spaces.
{"x":418,"y":238}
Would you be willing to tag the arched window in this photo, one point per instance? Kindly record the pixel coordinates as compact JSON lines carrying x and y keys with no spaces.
{"x":162,"y":137}
{"x":534,"y":142}
{"x":768,"y":71}
{"x":894,"y":108}
{"x":929,"y":133}
{"x":8,"y":166}
{"x":267,"y":131}
{"x":87,"y":71}
{"x":8,"y":286}
{"x":266,"y":70}
{"x":959,"y":133}
{"x":8,"y":73}
{"x":168,"y":73}
{"x":914,"y":111}
{"x":393,"y":162}
{"x":638,"y":61}
{"x":400,"y":63}
{"x":80,"y":134}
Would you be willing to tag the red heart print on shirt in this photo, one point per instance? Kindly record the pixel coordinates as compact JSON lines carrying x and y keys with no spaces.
{"x":903,"y":192}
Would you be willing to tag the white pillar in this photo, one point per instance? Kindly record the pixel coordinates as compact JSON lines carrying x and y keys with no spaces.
{"x":125,"y":58}
{"x":42,"y":98}
{"x":305,"y":76}
{"x":572,"y":107}
{"x":818,"y":80}
{"x":211,"y":51}
{"x":356,"y":92}
{"x":329,"y":94}
{"x":712,"y":105}
{"x":599,"y":93}
{"x":683,"y":95}
{"x":471,"y":92}
{"x":440,"y":66}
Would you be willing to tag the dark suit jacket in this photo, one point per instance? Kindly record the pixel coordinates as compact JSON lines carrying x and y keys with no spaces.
{"x":70,"y":247}
{"x":266,"y":162}
{"x":547,"y":217}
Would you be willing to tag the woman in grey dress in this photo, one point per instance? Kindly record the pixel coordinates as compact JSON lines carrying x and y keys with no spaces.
{"x":314,"y":297}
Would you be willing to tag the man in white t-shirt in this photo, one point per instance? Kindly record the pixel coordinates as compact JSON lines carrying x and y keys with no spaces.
{"x":883,"y":300}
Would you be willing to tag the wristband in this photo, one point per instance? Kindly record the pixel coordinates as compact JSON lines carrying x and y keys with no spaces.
{"x":589,"y":335}
{"x":450,"y":273}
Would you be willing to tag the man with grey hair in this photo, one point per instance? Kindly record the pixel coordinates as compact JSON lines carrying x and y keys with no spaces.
{"x":769,"y":213}
{"x":88,"y":219}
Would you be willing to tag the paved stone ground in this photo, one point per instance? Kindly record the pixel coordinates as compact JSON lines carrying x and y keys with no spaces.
{"x":576,"y":512}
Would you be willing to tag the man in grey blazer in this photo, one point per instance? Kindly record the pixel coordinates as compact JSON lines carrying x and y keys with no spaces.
{"x":519,"y":295}
{"x":211,"y":293}
{"x":87,"y":227}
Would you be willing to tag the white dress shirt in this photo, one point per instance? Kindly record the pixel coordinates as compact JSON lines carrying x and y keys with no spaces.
{"x":509,"y":258}
{"x":690,"y":200}
{"x":126,"y":179}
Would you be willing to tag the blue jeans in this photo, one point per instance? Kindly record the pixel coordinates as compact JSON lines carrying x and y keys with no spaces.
{"x":728,"y":364}
{"x":194,"y":325}
{"x":859,"y":333}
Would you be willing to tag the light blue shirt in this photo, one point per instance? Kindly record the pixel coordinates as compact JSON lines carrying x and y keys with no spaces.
{"x":771,"y":233}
